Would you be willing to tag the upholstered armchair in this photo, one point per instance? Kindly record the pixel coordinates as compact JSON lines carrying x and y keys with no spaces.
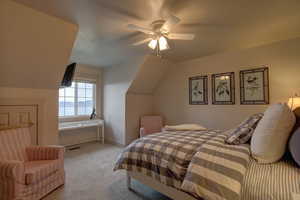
{"x":150,"y":125}
{"x":28,"y":172}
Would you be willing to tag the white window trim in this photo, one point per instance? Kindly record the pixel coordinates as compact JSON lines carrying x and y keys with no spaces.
{"x":76,"y":80}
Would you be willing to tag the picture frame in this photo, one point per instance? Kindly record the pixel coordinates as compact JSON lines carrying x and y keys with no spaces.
{"x":198,"y":94}
{"x":223,"y":88}
{"x":254,"y":86}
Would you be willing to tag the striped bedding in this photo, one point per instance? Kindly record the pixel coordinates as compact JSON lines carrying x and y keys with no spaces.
{"x":217,"y":170}
{"x":198,"y":162}
{"x":278,"y":181}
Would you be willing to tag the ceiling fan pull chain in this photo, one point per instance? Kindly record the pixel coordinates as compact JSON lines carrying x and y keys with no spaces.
{"x":157,"y":49}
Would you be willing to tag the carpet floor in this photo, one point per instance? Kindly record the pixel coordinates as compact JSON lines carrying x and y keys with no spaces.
{"x":89,"y":176}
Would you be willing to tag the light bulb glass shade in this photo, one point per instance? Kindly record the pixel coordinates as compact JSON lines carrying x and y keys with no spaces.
{"x":294,"y":102}
{"x":152,"y":44}
{"x":224,"y":78}
{"x":163,"y":43}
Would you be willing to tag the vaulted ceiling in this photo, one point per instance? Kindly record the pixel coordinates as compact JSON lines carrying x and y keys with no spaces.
{"x":104,"y":39}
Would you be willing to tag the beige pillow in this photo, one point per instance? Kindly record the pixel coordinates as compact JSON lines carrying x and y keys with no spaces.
{"x":270,"y":137}
{"x":185,"y":127}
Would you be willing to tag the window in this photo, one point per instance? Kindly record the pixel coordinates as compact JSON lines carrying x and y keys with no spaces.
{"x":77,"y":100}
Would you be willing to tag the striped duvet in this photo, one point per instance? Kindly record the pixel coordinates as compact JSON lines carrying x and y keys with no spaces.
{"x":198,"y":162}
{"x":217,"y":170}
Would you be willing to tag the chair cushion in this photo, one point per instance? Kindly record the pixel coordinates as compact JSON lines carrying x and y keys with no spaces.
{"x":151,"y":124}
{"x":13,"y":143}
{"x":36,"y":171}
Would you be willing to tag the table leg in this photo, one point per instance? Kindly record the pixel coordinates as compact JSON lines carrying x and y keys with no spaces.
{"x":128,"y":178}
{"x":98,"y":134}
{"x":103,"y":134}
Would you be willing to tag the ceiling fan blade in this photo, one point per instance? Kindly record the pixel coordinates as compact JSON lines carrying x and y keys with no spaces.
{"x":142,"y":42}
{"x":171,"y":21}
{"x":181,"y":36}
{"x":141,"y":29}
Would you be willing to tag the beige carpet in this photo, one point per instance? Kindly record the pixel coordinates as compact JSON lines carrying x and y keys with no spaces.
{"x":90,"y":177}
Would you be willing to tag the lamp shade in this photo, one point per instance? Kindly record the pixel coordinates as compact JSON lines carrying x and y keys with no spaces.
{"x":294,"y":102}
{"x":163,"y":43}
{"x":152,"y":44}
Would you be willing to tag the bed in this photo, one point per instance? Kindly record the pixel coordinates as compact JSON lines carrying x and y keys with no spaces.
{"x":195,"y":165}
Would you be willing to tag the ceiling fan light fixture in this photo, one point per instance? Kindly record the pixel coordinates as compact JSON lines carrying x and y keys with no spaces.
{"x":152,"y":44}
{"x":163,"y":43}
{"x":160,"y":34}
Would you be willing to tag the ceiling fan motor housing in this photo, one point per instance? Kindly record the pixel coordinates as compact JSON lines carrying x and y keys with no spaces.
{"x":156,"y":25}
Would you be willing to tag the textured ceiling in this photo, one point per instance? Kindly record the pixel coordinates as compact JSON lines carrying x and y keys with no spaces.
{"x":219,"y":25}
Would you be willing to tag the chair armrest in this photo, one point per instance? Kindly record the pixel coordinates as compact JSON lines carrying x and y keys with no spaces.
{"x":45,"y":153}
{"x":12,"y":169}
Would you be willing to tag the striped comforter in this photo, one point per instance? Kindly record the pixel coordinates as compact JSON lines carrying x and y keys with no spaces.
{"x":217,"y":170}
{"x":198,"y":162}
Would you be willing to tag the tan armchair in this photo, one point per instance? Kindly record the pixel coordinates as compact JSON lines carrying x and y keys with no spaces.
{"x":28,"y":172}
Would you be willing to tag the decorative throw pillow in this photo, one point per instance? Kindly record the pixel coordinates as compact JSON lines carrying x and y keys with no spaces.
{"x":242,"y":133}
{"x":294,"y":146}
{"x":269,"y":140}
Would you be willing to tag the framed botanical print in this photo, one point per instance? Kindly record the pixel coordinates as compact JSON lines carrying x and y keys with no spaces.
{"x":223,"y":90}
{"x":254,"y":85}
{"x":198,"y":90}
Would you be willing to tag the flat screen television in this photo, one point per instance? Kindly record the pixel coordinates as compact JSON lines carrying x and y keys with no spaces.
{"x":68,"y":76}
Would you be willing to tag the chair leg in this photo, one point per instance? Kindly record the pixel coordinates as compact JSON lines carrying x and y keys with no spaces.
{"x":128,"y":181}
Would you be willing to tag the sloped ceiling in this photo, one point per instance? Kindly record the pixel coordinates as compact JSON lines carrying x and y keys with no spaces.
{"x":34,"y":47}
{"x":149,"y":74}
{"x":219,"y":25}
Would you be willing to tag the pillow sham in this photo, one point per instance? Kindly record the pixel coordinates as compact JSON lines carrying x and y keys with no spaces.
{"x":242,"y":133}
{"x":269,"y":140}
{"x":185,"y":127}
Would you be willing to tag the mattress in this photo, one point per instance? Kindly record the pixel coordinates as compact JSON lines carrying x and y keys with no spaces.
{"x":278,"y":181}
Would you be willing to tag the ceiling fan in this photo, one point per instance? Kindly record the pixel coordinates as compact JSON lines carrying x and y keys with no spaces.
{"x":160,"y":33}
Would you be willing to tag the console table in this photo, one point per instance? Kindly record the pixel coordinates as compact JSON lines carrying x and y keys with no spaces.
{"x":99,"y":123}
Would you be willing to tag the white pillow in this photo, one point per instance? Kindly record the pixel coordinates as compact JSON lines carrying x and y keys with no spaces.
{"x":185,"y":127}
{"x":270,"y":137}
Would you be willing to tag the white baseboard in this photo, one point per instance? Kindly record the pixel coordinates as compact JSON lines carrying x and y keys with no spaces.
{"x":108,"y":141}
{"x":81,"y":142}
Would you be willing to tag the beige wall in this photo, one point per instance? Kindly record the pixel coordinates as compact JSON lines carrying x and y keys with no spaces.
{"x":71,"y":137}
{"x":35,"y":47}
{"x":127,"y":95}
{"x":171,"y":97}
{"x":139,"y":98}
{"x":116,"y":81}
{"x":34,"y":51}
{"x":46,"y":99}
{"x":137,"y":105}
